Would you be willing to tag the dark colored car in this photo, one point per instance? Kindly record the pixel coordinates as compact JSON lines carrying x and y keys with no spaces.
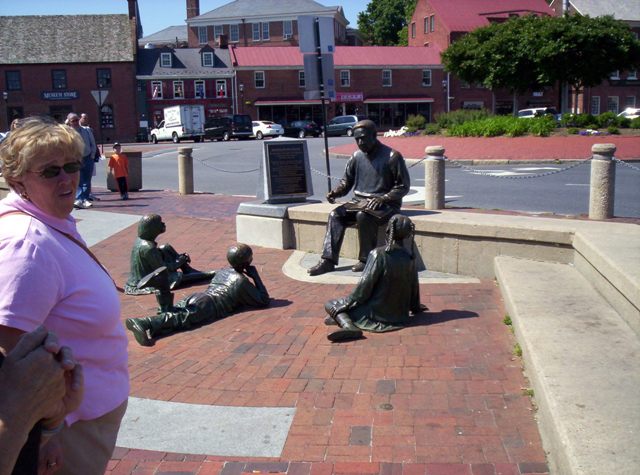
{"x":302,"y":129}
{"x":343,"y":125}
{"x":236,"y":126}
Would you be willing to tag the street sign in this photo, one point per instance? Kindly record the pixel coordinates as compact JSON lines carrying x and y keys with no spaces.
{"x":307,"y":37}
{"x":100,"y":96}
{"x":312,"y":75}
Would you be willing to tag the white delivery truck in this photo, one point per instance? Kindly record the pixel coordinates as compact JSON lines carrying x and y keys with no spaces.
{"x":180,"y":122}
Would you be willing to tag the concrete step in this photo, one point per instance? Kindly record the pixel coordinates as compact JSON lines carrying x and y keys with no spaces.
{"x":583,"y":361}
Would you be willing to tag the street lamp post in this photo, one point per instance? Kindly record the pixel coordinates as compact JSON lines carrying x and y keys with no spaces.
{"x":241,"y":89}
{"x":445,"y":90}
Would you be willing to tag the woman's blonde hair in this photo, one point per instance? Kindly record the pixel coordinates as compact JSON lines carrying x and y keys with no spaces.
{"x":34,"y":138}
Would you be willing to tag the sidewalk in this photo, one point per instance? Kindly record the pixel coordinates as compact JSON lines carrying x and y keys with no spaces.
{"x":505,"y":149}
{"x":443,"y":397}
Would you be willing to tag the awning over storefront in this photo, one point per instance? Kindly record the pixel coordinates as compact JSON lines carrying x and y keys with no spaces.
{"x":293,"y":102}
{"x":387,"y":100}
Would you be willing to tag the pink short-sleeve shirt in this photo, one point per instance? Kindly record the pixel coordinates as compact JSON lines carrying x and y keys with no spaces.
{"x":47,"y":279}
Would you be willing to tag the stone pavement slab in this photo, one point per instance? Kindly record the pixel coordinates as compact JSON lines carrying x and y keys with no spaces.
{"x":443,"y":396}
{"x":205,"y":429}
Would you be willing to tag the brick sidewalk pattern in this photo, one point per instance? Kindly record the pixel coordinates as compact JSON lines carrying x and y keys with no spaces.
{"x":442,"y":397}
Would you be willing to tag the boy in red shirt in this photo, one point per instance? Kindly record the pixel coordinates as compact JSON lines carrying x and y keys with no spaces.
{"x":119,"y":166}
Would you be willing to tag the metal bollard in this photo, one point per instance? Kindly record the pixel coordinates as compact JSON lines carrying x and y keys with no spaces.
{"x":434,"y":177}
{"x":603,"y":181}
{"x":185,"y":171}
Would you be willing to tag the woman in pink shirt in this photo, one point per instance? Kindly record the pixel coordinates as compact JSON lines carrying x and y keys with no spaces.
{"x":49,"y":277}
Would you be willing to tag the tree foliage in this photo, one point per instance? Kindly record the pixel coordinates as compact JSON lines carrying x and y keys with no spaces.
{"x":529,"y":52}
{"x":384,"y":22}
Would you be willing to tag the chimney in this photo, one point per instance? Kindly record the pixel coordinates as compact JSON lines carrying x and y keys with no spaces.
{"x":193,"y":8}
{"x":132,"y":8}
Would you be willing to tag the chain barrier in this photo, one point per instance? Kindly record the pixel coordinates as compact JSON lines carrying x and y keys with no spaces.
{"x":324,"y":175}
{"x":621,"y":162}
{"x":515,"y":177}
{"x":225,"y":171}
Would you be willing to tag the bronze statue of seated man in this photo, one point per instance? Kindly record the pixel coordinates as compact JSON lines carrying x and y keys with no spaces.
{"x":379,"y":178}
{"x":147,"y":256}
{"x":386,"y":294}
{"x":230,"y":288}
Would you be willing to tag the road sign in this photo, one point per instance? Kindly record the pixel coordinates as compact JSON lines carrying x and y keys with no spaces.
{"x":307,"y":37}
{"x":312,"y":75}
{"x":100,"y":96}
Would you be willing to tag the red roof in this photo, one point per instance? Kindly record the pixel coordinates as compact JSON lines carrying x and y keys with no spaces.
{"x":467,"y":15}
{"x":265,"y":56}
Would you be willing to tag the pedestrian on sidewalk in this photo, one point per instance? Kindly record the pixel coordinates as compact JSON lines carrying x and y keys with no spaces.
{"x":84,"y":122}
{"x":88,"y":154}
{"x":119,"y":167}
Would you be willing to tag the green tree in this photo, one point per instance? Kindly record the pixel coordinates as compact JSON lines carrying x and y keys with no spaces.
{"x":384,"y":22}
{"x":529,"y":52}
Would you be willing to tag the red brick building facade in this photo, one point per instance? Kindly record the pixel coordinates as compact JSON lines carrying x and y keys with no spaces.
{"x":51,"y":65}
{"x":438,"y":23}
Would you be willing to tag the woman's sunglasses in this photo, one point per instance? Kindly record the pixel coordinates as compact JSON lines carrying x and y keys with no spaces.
{"x":54,"y":170}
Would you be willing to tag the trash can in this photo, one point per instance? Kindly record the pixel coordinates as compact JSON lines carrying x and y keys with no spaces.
{"x":134,"y":181}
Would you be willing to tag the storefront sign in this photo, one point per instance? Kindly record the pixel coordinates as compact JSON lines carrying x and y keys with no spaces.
{"x":59,"y":95}
{"x":349,"y":97}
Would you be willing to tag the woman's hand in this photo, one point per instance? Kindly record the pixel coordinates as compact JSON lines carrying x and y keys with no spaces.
{"x":50,"y":457}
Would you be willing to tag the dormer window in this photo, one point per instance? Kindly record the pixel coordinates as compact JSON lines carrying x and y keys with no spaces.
{"x":207,"y":59}
{"x":165,"y":60}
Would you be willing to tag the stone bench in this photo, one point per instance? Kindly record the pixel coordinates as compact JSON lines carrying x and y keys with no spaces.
{"x":466,"y":243}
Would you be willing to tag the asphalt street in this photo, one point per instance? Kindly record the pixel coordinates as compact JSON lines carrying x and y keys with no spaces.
{"x":232,"y":168}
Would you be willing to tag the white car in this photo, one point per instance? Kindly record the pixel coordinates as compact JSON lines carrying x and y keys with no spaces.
{"x":538,"y":112}
{"x":630,"y":113}
{"x":266,"y":128}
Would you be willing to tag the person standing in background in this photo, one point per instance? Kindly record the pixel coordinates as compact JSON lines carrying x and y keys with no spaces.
{"x":88,"y":155}
{"x":119,"y":167}
{"x":84,"y":122}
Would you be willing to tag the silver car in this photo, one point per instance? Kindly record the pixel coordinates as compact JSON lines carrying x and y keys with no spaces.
{"x":266,"y":128}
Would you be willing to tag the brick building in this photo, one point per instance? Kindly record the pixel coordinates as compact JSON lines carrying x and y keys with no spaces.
{"x":52,"y":65}
{"x":384,"y":83}
{"x":440,"y":22}
{"x":269,"y":23}
{"x":170,"y":76}
{"x":622,"y":88}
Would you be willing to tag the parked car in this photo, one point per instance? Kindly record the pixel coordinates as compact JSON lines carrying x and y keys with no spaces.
{"x":266,"y":128}
{"x":539,"y":112}
{"x":302,"y":129}
{"x":236,"y":126}
{"x":630,"y":113}
{"x":343,"y":125}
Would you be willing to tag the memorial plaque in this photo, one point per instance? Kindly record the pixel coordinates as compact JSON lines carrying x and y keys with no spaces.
{"x":286,"y":171}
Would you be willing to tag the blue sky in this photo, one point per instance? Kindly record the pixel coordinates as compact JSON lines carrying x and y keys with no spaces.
{"x":155,"y":14}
